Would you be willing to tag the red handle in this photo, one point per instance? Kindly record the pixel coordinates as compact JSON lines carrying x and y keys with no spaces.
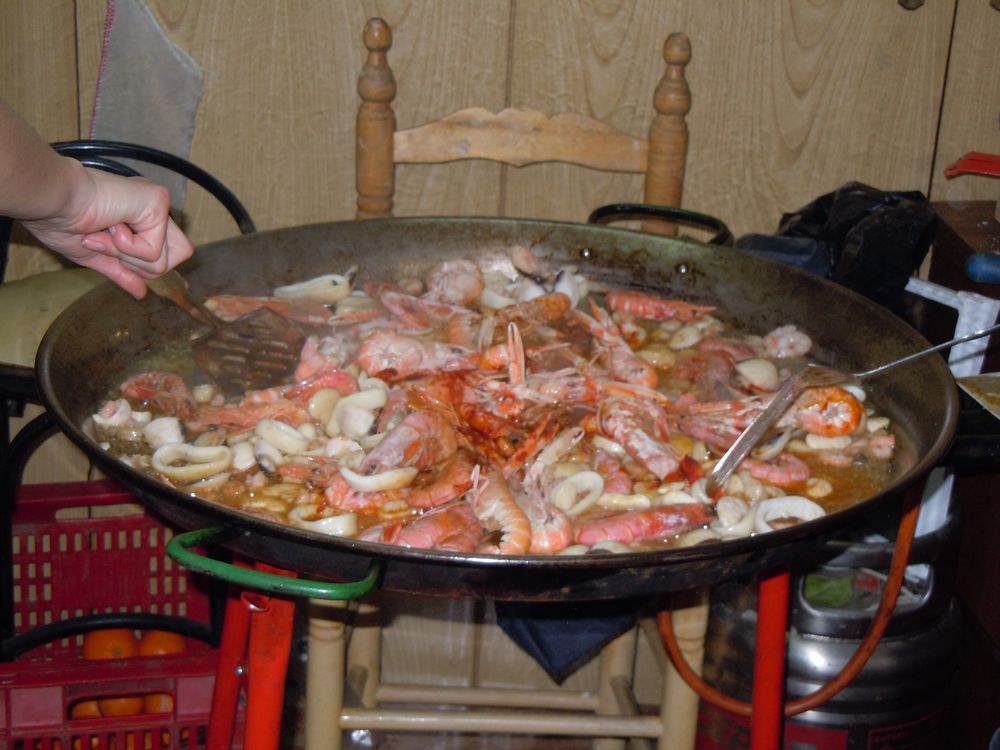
{"x":975,"y":162}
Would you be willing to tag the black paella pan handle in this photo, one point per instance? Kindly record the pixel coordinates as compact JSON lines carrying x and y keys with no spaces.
{"x":629,"y":211}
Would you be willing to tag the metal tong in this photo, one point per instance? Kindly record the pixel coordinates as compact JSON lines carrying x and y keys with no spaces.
{"x":811,"y":376}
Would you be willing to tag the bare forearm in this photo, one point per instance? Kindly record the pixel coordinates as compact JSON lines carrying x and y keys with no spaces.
{"x":119,"y":226}
{"x":35,"y":181}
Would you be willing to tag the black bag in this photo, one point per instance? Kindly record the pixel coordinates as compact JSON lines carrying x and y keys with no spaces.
{"x":868,"y":240}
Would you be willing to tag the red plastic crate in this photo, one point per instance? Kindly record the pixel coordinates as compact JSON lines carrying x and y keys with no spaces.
{"x":89,"y":548}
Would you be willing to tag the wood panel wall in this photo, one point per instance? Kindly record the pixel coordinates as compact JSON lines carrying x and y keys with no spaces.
{"x":791,"y":98}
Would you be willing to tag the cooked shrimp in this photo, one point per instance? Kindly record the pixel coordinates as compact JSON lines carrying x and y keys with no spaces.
{"x":415,"y":314}
{"x":551,"y":529}
{"x":393,"y":356}
{"x":229,"y":307}
{"x":616,"y":479}
{"x":787,"y":341}
{"x":621,"y":421}
{"x":163,"y":391}
{"x":622,"y":363}
{"x":828,"y":411}
{"x":339,"y":380}
{"x":496,"y":509}
{"x":543,"y":309}
{"x":457,"y":282}
{"x":244,"y":416}
{"x":652,"y":306}
{"x":423,"y":439}
{"x":660,"y":522}
{"x":450,"y":481}
{"x":782,"y":470}
{"x":448,"y":527}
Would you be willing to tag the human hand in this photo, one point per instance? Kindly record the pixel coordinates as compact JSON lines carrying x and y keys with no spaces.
{"x":118,"y":226}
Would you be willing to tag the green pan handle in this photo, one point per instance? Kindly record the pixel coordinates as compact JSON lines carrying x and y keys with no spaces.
{"x":179,"y":548}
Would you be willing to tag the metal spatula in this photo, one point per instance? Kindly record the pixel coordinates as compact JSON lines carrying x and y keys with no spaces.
{"x":256,"y":351}
{"x":810,"y":376}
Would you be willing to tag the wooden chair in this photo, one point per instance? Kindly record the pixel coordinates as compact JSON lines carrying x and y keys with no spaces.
{"x":519,"y":137}
{"x":344,"y":643}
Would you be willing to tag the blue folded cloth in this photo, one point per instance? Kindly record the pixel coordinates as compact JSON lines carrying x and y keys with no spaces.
{"x":563,"y":636}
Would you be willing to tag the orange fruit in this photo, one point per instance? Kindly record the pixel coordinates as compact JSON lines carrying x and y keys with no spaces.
{"x":158,"y":703}
{"x":156,"y":642}
{"x":113,"y":643}
{"x":110,"y":643}
{"x":86,"y":709}
{"x":126,"y":705}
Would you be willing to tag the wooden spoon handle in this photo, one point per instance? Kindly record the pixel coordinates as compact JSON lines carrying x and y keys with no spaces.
{"x":173,"y":287}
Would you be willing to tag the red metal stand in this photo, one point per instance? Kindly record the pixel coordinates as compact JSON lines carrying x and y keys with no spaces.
{"x":769,"y":663}
{"x":256,"y":644}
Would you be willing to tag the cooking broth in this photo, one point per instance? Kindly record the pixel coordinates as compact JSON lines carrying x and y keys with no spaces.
{"x":517,"y":412}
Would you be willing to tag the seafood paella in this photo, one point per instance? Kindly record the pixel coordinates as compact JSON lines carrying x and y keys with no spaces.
{"x":508,"y":410}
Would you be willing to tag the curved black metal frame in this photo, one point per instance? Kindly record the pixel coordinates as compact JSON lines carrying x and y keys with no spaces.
{"x":629,"y":211}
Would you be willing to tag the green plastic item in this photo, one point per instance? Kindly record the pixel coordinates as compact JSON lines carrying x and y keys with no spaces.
{"x":179,"y":548}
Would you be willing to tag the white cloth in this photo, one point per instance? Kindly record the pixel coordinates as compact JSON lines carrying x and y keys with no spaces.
{"x":148,"y":90}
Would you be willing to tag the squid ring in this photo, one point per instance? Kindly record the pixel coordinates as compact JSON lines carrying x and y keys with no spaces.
{"x":790,"y":506}
{"x":393,"y":479}
{"x":184,"y":463}
{"x":282,"y":436}
{"x":342,"y":524}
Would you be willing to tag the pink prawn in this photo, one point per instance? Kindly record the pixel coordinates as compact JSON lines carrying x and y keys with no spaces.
{"x":448,"y":527}
{"x":783,"y":470}
{"x":393,"y":356}
{"x":496,"y":509}
{"x":652,"y":523}
{"x":654,"y":307}
{"x":163,"y":391}
{"x":621,"y":422}
{"x":423,"y":439}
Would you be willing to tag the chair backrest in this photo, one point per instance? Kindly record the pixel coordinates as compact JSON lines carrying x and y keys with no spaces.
{"x":518,"y":137}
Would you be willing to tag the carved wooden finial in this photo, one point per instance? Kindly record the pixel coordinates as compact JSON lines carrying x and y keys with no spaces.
{"x":673,"y":97}
{"x":668,"y":135}
{"x":376,"y":124}
{"x":377,"y":36}
{"x":376,"y":83}
{"x":677,"y":49}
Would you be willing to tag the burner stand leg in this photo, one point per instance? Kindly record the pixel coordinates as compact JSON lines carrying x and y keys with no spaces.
{"x":769,"y":664}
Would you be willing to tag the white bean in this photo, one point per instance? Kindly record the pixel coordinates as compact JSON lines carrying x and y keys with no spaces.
{"x":759,"y":372}
{"x":203,"y":393}
{"x":618,"y":501}
{"x":321,"y":404}
{"x":824,"y":443}
{"x":243,"y":456}
{"x":163,"y":431}
{"x":685,"y":337}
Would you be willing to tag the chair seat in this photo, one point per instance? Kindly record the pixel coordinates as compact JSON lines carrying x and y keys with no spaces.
{"x":29,"y":306}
